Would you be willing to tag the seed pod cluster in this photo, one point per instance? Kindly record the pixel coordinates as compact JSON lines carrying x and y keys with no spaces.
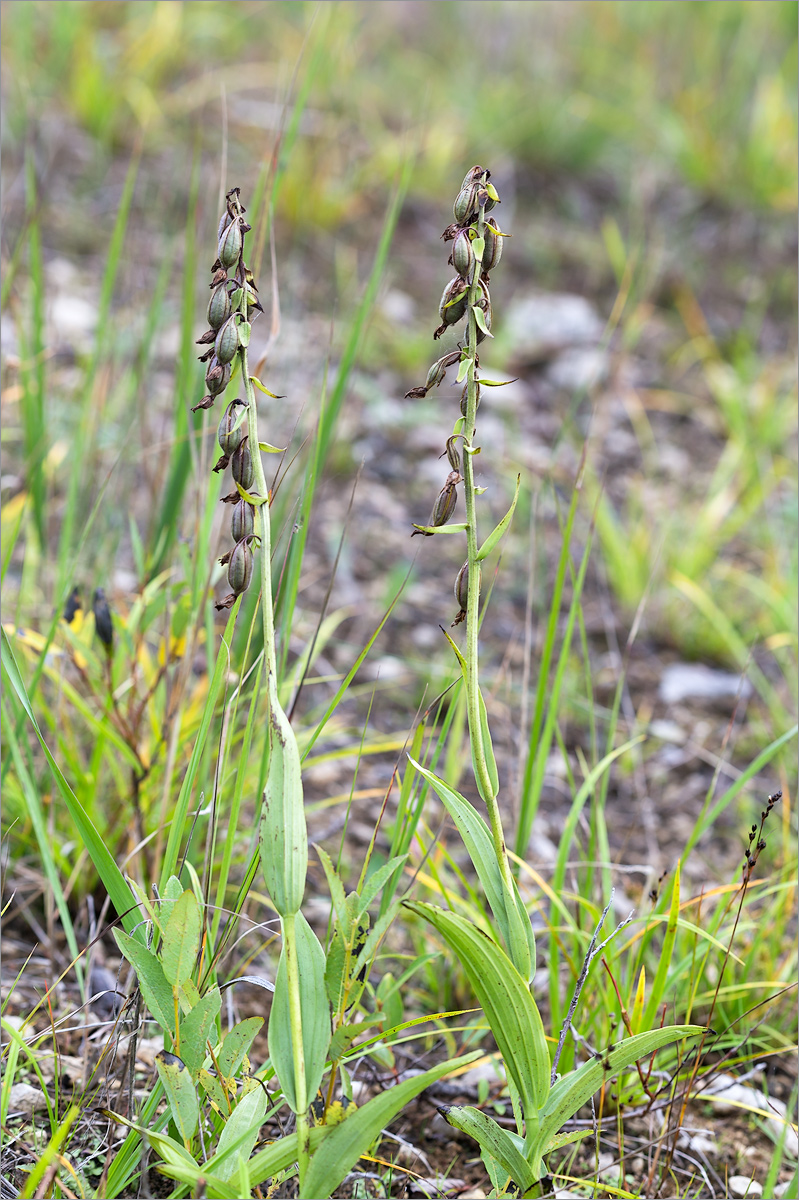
{"x":476,"y":251}
{"x":233,"y":294}
{"x":223,"y":335}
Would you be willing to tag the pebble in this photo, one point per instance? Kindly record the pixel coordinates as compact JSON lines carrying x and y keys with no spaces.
{"x":23,"y":1098}
{"x":541,"y":324}
{"x":742,"y":1185}
{"x":729,"y":1096}
{"x":695,"y":681}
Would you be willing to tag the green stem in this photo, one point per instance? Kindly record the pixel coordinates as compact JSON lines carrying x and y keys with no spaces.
{"x":295,"y":1022}
{"x":270,"y":659}
{"x":473,"y":600}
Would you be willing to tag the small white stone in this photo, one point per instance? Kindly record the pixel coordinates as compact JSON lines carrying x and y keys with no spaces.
{"x":26,"y":1099}
{"x":742,"y":1185}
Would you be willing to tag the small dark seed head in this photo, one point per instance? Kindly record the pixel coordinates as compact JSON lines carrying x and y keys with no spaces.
{"x":230,"y":432}
{"x":242,"y":520}
{"x":239,"y":572}
{"x":227,"y":340}
{"x":241,"y":465}
{"x":219,"y":307}
{"x":230,"y":244}
{"x":217,"y":377}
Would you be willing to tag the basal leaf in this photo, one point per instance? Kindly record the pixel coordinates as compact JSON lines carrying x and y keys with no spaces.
{"x":179,"y":1087}
{"x":283,"y":833}
{"x":198,"y":1028}
{"x":315,"y":1015}
{"x":150,"y":977}
{"x":511,"y":1012}
{"x":181,"y":942}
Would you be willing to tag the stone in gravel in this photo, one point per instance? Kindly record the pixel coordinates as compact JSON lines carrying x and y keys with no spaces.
{"x":742,"y":1185}
{"x":540,"y":325}
{"x":25,"y":1099}
{"x":694,"y":681}
{"x":579,"y":368}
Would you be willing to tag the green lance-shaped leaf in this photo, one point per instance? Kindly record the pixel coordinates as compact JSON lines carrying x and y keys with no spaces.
{"x":151,"y":979}
{"x":181,"y":939}
{"x":346,"y":1142}
{"x":315,"y":1015}
{"x":479,"y":317}
{"x":240,"y":1134}
{"x":512,"y":919}
{"x":493,"y":1140}
{"x":575,"y":1089}
{"x":505,"y":998}
{"x":284,"y":837}
{"x":496,"y":533}
{"x":198,"y":1028}
{"x":457,"y":528}
{"x":235,"y":1045}
{"x":179,"y":1087}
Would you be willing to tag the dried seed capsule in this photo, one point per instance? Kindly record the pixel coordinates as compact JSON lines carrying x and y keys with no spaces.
{"x":242,"y":520}
{"x":454,"y":302}
{"x":229,"y":434}
{"x":227,"y":340}
{"x":461,"y":590}
{"x":219,"y":306}
{"x":241,"y":465}
{"x":239,"y":571}
{"x":473,"y":175}
{"x":465,"y":206}
{"x":453,"y":456}
{"x":217,"y":377}
{"x":484,"y":200}
{"x":230,"y":244}
{"x":463,"y":255}
{"x":493,"y":246}
{"x":444,"y":506}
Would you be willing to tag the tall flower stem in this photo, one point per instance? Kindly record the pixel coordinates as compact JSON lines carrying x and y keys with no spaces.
{"x":270,"y":659}
{"x":481,"y":771}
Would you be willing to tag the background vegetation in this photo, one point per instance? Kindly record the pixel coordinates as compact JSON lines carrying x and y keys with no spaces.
{"x":646,"y":158}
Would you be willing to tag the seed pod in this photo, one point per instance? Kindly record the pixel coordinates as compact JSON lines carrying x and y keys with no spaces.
{"x":241,"y":465}
{"x":453,"y":456}
{"x":239,"y":571}
{"x":461,"y":590}
{"x":463,"y":255}
{"x":493,"y":246}
{"x":473,"y":175}
{"x":230,"y":244}
{"x":444,"y":506}
{"x":230,"y":438}
{"x":465,"y":206}
{"x":217,"y":377}
{"x":465,"y":398}
{"x":219,"y":306}
{"x":454,"y":302}
{"x":242,"y":520}
{"x":484,"y":201}
{"x":227,"y":340}
{"x":224,"y":221}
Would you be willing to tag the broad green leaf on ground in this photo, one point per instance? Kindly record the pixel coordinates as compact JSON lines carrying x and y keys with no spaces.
{"x":181,"y":943}
{"x":199,"y":1028}
{"x":179,"y":1087}
{"x":240,"y":1134}
{"x":346,"y":1142}
{"x":505,"y":998}
{"x":150,"y":977}
{"x":315,"y":1015}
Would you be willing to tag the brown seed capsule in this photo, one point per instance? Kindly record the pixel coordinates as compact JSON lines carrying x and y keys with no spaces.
{"x":493,"y":246}
{"x":241,"y":465}
{"x":463,"y":255}
{"x":227,"y":340}
{"x":454,"y":302}
{"x":444,"y":506}
{"x":474,"y":174}
{"x":465,"y":206}
{"x":230,"y":432}
{"x":219,"y":306}
{"x":239,"y":571}
{"x":217,"y":377}
{"x":461,"y":590}
{"x":242,"y":520}
{"x":230,"y":244}
{"x":453,"y":456}
{"x":484,"y":200}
